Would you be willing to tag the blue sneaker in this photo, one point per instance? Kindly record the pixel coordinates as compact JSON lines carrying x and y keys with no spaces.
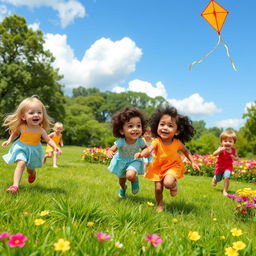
{"x":122,"y":191}
{"x":135,"y":186}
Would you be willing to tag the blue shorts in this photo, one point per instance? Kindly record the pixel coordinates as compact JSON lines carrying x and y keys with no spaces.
{"x":225,"y":174}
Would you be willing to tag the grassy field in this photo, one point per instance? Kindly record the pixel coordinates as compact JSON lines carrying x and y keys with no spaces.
{"x":78,"y":192}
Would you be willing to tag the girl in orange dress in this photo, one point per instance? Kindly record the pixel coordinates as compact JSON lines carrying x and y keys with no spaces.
{"x":171,"y":131}
{"x":56,"y":136}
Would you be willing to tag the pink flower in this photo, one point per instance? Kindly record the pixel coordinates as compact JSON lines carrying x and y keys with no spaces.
{"x":17,"y":240}
{"x":4,"y":235}
{"x":103,"y":236}
{"x":232,"y":196}
{"x":153,"y":239}
{"x":249,"y":205}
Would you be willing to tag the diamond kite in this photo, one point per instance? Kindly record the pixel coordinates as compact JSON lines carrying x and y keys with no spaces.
{"x":215,"y":15}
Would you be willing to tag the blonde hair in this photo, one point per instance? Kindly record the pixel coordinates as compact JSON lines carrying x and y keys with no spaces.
{"x":58,"y":125}
{"x":14,"y":121}
{"x":228,"y":134}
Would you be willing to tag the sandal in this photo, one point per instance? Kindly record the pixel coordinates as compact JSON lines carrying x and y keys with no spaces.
{"x":174,"y":189}
{"x":12,"y":189}
{"x":31,"y":178}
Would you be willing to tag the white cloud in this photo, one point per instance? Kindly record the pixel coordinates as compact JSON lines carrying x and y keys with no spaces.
{"x":248,"y":105}
{"x":4,"y":12}
{"x":118,"y":89}
{"x":35,"y":26}
{"x":146,"y":87}
{"x":67,"y":10}
{"x":194,"y":105}
{"x":104,"y":65}
{"x":230,"y":123}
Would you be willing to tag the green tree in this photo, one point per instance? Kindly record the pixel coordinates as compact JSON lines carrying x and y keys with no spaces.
{"x":25,"y":69}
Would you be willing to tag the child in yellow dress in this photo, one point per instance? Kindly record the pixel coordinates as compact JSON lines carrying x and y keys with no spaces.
{"x":171,"y":130}
{"x":29,"y":122}
{"x":56,"y":136}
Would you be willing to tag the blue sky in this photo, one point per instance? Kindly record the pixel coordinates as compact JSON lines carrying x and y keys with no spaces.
{"x":147,"y":46}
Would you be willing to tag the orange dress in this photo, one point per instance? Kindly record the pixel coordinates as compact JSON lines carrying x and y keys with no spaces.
{"x":166,"y":160}
{"x":57,"y":140}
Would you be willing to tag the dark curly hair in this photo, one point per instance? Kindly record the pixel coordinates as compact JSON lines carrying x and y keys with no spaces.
{"x":124,"y":115}
{"x":184,"y":124}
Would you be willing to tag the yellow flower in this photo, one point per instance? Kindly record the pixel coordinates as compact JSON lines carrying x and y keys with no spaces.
{"x":236,"y":232}
{"x":193,"y":235}
{"x":239,"y":245}
{"x":150,"y":204}
{"x":39,"y":222}
{"x":90,"y":224}
{"x":222,"y":237}
{"x":231,"y":252}
{"x":174,"y":220}
{"x":44,"y":213}
{"x":62,"y":245}
{"x":214,"y":219}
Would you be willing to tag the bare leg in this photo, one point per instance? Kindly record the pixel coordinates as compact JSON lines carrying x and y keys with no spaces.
{"x":47,"y":155}
{"x":55,"y":157}
{"x":226,"y":185}
{"x":159,"y":195}
{"x":122,"y":183}
{"x":170,"y":183}
{"x":131,"y":175}
{"x":18,"y":172}
{"x":214,"y":181}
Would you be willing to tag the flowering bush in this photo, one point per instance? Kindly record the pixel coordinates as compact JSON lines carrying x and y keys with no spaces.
{"x":244,"y":170}
{"x":96,"y":155}
{"x":245,"y":200}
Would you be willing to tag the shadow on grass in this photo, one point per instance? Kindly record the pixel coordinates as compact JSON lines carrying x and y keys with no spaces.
{"x":41,"y":189}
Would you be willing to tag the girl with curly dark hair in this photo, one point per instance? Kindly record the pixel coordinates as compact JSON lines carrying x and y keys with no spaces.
{"x":128,"y":126}
{"x":171,"y":131}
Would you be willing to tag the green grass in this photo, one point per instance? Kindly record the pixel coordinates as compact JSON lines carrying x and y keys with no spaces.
{"x":78,"y":192}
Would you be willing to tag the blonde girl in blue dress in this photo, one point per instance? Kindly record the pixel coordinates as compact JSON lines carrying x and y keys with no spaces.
{"x":128,"y":127}
{"x":29,"y":122}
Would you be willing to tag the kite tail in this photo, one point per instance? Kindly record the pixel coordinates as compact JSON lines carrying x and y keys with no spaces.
{"x":227,"y":51}
{"x":206,"y":55}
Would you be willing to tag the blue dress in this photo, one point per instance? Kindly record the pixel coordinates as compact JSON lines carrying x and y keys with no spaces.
{"x":124,"y":158}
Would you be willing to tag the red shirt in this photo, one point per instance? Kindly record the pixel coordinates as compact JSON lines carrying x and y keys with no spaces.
{"x":224,"y":161}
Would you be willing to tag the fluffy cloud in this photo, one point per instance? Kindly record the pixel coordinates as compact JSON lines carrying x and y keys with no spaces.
{"x":67,"y":10}
{"x":230,"y":123}
{"x":4,"y":12}
{"x":34,"y":26}
{"x":194,"y":105}
{"x":104,"y":65}
{"x":248,"y":105}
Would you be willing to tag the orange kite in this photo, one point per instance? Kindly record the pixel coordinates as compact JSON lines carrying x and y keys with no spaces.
{"x":215,"y":15}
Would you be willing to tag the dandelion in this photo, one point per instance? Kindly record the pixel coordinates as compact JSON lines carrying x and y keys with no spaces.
{"x":150,"y":204}
{"x":231,"y":252}
{"x":174,"y":220}
{"x":193,"y":235}
{"x":103,"y":236}
{"x":39,"y":222}
{"x":44,"y":213}
{"x":154,"y":239}
{"x":236,"y":232}
{"x":4,"y":235}
{"x":118,"y":245}
{"x":89,"y":224}
{"x":222,"y":237}
{"x":62,"y":245}
{"x":239,"y":245}
{"x":17,"y":240}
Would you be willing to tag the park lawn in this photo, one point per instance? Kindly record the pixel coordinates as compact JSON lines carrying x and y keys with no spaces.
{"x":79,"y":192}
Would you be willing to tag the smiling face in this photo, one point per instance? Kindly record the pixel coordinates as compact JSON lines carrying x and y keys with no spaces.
{"x":167,"y":128}
{"x":132,"y":129}
{"x":227,"y":142}
{"x":33,"y":115}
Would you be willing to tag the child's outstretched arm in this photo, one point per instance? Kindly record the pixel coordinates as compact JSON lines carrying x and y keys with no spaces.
{"x":218,"y":151}
{"x":144,"y":153}
{"x":189,"y":156}
{"x":12,"y":137}
{"x":49,"y":141}
{"x":111,"y":151}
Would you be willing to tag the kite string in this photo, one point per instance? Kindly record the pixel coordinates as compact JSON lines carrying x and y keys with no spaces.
{"x":227,"y":51}
{"x":206,"y":55}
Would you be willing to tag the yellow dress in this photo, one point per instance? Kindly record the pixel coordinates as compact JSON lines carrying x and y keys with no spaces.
{"x":166,"y":160}
{"x":57,"y":140}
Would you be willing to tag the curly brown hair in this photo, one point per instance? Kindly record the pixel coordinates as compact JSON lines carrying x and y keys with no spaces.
{"x":123,"y":116}
{"x":184,"y":124}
